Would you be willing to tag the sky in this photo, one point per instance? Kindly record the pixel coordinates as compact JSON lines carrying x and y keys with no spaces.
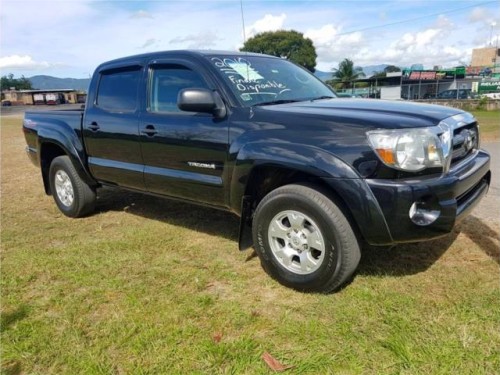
{"x":69,"y":38}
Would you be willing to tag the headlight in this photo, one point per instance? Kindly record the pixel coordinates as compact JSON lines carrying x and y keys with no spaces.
{"x":413,"y":149}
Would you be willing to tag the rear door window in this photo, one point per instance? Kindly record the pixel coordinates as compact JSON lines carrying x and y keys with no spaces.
{"x":118,"y":90}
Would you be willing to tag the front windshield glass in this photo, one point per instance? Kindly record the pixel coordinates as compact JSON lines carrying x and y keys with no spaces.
{"x":257,"y":80}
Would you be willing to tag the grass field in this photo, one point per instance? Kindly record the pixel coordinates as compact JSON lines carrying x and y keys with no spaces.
{"x":151,"y":286}
{"x":490,"y":124}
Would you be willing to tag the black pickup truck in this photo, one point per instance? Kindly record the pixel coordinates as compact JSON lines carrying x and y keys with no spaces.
{"x":311,"y":176}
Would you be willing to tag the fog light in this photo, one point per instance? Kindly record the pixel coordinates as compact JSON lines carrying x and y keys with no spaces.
{"x":421,"y":214}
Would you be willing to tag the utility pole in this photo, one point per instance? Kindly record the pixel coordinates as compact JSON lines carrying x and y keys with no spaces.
{"x":492,"y":25}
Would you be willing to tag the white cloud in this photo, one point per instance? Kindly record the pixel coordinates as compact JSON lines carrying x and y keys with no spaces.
{"x":410,"y":42}
{"x":443,"y":22}
{"x":486,"y":20}
{"x":24,"y":62}
{"x":478,"y":15}
{"x":150,"y":42}
{"x":202,"y":40}
{"x":324,"y":36}
{"x":141,"y":14}
{"x":83,"y":33}
{"x":427,"y":37}
{"x":267,"y":23}
{"x":428,"y":47}
{"x":331,"y":45}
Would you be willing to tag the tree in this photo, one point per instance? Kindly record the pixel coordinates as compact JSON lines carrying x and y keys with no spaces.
{"x":346,"y":73}
{"x":392,"y":69}
{"x":290,"y":45}
{"x":387,"y":69}
{"x":8,"y":81}
{"x":378,"y":74}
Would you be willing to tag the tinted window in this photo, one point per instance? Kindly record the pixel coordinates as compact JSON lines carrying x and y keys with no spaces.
{"x":166,"y":82}
{"x":118,"y":90}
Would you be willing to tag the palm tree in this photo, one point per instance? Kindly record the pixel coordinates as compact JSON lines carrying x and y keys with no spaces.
{"x":346,"y":73}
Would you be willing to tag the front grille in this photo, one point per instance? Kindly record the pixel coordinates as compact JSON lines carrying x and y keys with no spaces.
{"x":465,"y":141}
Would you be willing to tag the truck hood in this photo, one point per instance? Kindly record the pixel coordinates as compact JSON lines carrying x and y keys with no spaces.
{"x":373,"y":113}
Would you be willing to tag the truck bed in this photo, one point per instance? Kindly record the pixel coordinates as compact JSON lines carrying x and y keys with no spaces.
{"x":65,"y":121}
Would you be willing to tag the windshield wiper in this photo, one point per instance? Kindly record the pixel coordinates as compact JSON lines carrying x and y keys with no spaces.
{"x":322,"y":97}
{"x":281,"y":101}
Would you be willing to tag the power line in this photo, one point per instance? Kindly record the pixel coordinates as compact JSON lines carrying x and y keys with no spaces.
{"x":416,"y":18}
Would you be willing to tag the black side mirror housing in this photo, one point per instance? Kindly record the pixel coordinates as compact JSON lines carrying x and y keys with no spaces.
{"x":201,"y":100}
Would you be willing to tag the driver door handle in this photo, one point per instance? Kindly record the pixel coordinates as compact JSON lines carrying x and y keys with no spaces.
{"x":93,"y":126}
{"x":149,"y":130}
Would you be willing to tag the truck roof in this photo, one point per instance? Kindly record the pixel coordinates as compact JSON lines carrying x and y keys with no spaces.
{"x":192,"y":52}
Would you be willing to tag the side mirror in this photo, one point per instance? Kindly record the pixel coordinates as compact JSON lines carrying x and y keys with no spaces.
{"x":201,"y":100}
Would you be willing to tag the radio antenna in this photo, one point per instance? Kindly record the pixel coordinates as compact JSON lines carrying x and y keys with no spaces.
{"x":243,"y":22}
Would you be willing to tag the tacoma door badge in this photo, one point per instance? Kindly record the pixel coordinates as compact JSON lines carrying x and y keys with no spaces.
{"x":201,"y":165}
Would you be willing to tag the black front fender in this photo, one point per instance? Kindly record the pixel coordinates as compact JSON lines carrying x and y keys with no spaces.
{"x":301,"y":158}
{"x":343,"y":181}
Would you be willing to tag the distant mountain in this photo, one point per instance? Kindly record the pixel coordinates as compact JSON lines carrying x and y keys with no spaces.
{"x":324,"y":76}
{"x":372,"y":69}
{"x":49,"y":82}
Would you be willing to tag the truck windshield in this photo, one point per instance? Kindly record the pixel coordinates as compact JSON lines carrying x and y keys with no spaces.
{"x":263,"y":80}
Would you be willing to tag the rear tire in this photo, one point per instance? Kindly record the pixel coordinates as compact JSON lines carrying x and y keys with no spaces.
{"x":73,"y":196}
{"x":304,"y":240}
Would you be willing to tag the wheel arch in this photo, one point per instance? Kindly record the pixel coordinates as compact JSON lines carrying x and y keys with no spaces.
{"x":253,"y":179}
{"x":267,"y":178}
{"x":51,"y":149}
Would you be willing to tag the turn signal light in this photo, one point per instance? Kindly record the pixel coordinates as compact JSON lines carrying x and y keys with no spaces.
{"x":386,"y":155}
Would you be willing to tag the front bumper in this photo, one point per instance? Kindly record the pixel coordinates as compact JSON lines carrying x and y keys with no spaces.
{"x":454,"y":195}
{"x":32,"y":155}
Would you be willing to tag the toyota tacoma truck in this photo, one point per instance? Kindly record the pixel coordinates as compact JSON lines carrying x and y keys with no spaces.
{"x":311,"y":176}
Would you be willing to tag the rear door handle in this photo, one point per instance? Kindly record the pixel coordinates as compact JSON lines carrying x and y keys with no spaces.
{"x":93,"y":126}
{"x":149,"y":130}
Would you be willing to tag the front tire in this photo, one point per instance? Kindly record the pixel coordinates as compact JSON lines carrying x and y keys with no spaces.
{"x":304,"y":240}
{"x":73,"y":196}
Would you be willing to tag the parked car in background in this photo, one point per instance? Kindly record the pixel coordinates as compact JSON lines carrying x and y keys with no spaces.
{"x":343,"y":95}
{"x":453,"y":94}
{"x":54,"y":99}
{"x":347,"y":95}
{"x":39,"y":99}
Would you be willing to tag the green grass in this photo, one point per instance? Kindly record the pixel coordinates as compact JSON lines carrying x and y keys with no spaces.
{"x":489,"y":122}
{"x":144,"y":285}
